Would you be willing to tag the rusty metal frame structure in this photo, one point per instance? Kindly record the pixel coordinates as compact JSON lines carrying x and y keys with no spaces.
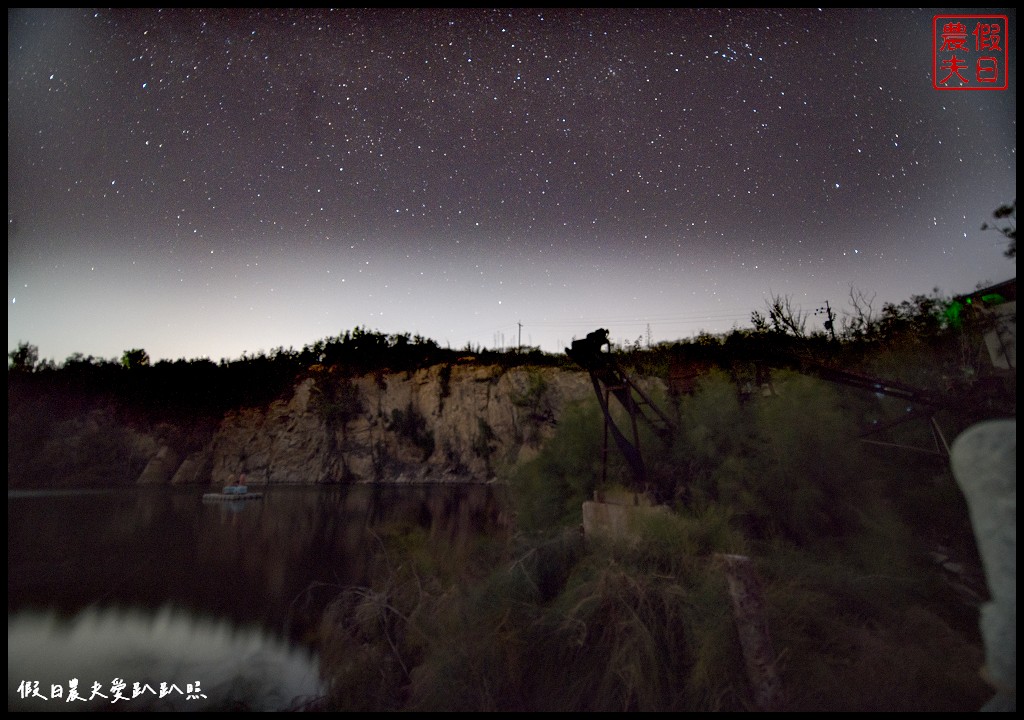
{"x":611,"y":380}
{"x":930,"y":404}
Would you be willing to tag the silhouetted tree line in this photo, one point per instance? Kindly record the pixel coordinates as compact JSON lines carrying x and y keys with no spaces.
{"x":929,"y":342}
{"x":182,"y":389}
{"x":888,"y":340}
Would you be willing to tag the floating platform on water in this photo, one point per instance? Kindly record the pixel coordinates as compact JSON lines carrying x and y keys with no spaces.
{"x":231,"y":497}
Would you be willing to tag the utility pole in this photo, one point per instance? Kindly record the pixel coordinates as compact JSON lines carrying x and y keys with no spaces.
{"x":830,"y":319}
{"x":519,"y":347}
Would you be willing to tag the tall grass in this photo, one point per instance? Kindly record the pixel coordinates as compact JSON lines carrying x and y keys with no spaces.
{"x":557,"y":626}
{"x":851,"y":640}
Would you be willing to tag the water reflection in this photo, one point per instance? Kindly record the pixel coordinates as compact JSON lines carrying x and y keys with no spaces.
{"x":162,"y":566}
{"x":201,"y":663}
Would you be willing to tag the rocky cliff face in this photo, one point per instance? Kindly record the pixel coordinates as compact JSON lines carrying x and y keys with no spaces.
{"x":447,"y":422}
{"x":453,"y":422}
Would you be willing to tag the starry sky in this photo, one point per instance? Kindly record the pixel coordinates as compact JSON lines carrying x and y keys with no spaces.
{"x":209,"y":183}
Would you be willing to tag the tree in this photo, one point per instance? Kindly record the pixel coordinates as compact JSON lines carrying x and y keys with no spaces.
{"x":782,"y":317}
{"x":135,"y":358}
{"x":24,"y":359}
{"x":862,"y":320}
{"x":1007,"y":215}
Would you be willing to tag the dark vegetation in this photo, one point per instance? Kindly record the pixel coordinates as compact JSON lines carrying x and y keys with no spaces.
{"x":412,"y":426}
{"x":766,"y":462}
{"x":183,"y":389}
{"x":888,"y":341}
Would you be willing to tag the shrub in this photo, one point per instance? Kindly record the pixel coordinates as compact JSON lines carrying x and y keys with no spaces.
{"x":411,"y":425}
{"x":533,"y":400}
{"x":549,"y":490}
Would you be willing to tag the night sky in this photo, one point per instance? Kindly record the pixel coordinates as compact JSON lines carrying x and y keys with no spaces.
{"x":207,"y":183}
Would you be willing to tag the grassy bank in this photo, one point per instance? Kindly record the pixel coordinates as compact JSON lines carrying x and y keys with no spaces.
{"x":859,"y":615}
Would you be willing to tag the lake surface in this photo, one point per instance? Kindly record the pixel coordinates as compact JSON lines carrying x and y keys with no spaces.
{"x":218,"y":602}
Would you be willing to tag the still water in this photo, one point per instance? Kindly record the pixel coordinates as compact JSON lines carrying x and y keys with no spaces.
{"x":217,"y":602}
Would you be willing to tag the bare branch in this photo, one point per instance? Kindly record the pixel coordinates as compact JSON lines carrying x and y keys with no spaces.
{"x":859,"y":321}
{"x":784,"y":317}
